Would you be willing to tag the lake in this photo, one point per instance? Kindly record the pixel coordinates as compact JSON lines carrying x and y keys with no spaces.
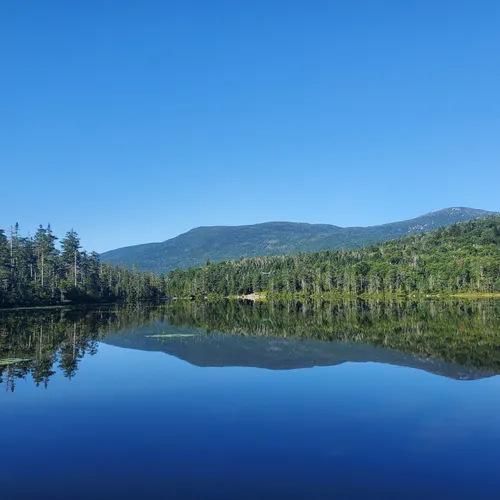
{"x":242,"y":401}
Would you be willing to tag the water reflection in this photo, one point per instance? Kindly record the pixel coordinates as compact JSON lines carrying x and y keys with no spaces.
{"x":456,"y":339}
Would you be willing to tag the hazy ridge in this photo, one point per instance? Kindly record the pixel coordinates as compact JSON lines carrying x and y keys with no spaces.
{"x":217,"y":243}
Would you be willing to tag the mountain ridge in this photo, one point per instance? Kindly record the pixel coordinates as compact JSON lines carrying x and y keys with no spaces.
{"x":217,"y":243}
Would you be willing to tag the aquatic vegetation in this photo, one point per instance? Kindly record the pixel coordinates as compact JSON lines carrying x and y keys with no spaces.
{"x":13,"y":361}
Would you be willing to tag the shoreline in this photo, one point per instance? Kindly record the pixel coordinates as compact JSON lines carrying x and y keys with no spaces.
{"x":262,"y":296}
{"x":253,"y":297}
{"x":60,"y":306}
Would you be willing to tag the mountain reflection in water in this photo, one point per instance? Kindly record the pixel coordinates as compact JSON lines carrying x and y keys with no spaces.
{"x":455,"y":339}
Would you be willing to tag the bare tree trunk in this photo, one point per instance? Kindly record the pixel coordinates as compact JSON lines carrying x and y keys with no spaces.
{"x":42,"y":270}
{"x":11,"y":252}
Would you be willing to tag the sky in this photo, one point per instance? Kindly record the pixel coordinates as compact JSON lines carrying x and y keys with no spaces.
{"x":135,"y":121}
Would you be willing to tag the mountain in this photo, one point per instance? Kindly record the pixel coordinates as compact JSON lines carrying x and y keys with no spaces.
{"x":220,"y":350}
{"x":219,"y":243}
{"x":462,"y":258}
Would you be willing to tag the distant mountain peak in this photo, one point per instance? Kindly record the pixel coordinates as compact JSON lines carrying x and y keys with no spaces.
{"x":463,"y":210}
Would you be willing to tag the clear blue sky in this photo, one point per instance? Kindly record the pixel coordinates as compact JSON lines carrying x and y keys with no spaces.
{"x":136,"y":121}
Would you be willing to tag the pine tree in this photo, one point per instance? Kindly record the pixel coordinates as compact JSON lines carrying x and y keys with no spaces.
{"x":71,"y":256}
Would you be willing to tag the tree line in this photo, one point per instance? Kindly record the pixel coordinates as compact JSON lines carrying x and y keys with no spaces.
{"x":464,"y":257}
{"x":34,"y":271}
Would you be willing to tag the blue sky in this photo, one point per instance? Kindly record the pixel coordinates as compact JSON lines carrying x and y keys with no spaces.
{"x":136,"y":121}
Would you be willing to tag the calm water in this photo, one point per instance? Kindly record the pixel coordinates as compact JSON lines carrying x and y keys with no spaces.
{"x":337,"y":400}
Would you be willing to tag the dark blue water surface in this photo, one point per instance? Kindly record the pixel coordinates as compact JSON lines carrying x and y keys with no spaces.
{"x":143,"y":424}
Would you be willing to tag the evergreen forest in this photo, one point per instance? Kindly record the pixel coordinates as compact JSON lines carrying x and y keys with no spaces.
{"x":463,"y":258}
{"x":460,"y":259}
{"x":34,"y":271}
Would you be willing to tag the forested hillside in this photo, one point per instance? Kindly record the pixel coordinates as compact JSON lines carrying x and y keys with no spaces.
{"x":33,"y":271}
{"x":219,"y":243}
{"x":462,"y":258}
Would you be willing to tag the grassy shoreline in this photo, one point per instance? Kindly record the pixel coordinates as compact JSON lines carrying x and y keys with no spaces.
{"x":263,"y":296}
{"x":477,"y":295}
{"x":298,"y":297}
